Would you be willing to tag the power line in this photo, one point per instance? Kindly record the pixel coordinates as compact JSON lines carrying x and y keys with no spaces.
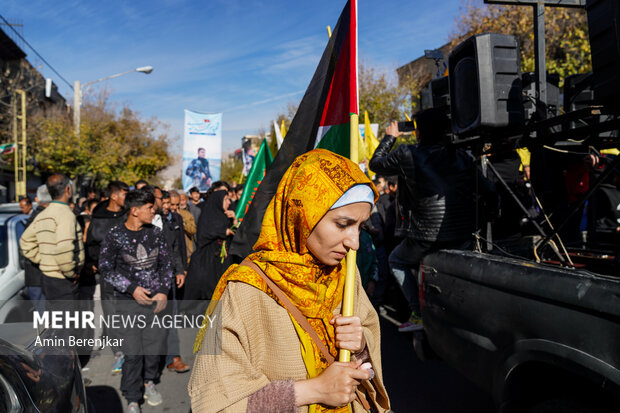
{"x":35,"y":52}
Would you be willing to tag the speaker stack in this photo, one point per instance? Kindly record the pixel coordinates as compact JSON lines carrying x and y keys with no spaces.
{"x":485,"y":86}
{"x":604,"y":29}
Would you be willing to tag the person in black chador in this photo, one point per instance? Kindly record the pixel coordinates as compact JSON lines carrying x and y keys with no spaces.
{"x":198,"y":170}
{"x":207,"y":263}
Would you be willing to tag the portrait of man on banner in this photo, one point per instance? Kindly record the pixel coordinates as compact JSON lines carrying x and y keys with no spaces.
{"x":202,"y":150}
{"x":198,"y":170}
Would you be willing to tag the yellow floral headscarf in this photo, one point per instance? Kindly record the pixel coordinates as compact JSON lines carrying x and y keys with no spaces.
{"x":308,"y":189}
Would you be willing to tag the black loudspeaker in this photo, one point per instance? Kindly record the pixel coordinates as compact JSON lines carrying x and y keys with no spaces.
{"x":579,"y":94}
{"x":436,"y":94}
{"x":485,"y":84}
{"x":529,"y":95}
{"x":604,"y":29}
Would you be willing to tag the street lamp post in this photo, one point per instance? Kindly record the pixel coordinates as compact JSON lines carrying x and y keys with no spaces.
{"x":77,"y":92}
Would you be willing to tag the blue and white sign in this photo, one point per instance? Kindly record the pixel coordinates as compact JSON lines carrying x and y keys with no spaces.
{"x":202,"y":150}
{"x":373,"y":126}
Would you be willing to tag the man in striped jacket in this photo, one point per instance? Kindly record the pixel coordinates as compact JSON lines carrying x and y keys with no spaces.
{"x":54,"y":242}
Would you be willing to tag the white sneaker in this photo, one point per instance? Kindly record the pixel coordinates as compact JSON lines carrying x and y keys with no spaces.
{"x":133,"y":407}
{"x":152,"y":396}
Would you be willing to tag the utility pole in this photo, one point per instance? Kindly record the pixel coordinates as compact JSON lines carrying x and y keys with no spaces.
{"x":539,"y":37}
{"x":77,"y":106}
{"x":19,"y":137}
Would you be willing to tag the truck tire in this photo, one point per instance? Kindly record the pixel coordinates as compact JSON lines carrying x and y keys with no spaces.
{"x":561,"y":406}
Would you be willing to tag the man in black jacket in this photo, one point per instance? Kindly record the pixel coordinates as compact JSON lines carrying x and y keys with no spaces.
{"x":435,"y":200}
{"x":106,"y":215}
{"x":172,"y":226}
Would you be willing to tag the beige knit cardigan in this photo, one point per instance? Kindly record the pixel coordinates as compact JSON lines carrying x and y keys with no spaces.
{"x":54,"y":241}
{"x":259,"y":344}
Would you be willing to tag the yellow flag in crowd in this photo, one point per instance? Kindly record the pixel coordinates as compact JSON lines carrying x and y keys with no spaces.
{"x":283,"y":129}
{"x":361,"y":147}
{"x":371,"y":141}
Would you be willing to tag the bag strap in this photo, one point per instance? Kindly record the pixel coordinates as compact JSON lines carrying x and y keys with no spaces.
{"x":302,"y":321}
{"x":293,"y":310}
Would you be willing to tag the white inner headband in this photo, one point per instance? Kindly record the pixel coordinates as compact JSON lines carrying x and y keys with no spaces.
{"x":357,"y":193}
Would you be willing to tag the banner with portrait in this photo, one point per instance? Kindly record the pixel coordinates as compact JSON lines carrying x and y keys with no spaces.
{"x":202,"y":150}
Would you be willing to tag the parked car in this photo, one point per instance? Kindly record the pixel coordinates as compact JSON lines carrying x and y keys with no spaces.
{"x":33,"y":378}
{"x":12,"y":225}
{"x":36,"y":378}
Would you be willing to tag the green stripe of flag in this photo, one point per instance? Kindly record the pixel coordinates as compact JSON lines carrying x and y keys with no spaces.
{"x":337,"y":139}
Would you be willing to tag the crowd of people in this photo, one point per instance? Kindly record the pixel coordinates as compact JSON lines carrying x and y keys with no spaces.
{"x":150,"y":250}
{"x":155,"y":250}
{"x":132,"y":248}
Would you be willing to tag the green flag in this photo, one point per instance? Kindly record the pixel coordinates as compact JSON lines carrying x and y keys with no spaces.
{"x":255,"y":177}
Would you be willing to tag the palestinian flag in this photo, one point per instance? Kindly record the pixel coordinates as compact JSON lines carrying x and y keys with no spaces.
{"x":255,"y":177}
{"x":342,"y":100}
{"x":322,"y":120}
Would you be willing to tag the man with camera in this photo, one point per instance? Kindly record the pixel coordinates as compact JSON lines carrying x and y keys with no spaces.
{"x":436,"y":200}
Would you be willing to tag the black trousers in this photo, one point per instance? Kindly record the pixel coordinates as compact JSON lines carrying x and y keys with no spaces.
{"x":59,"y":288}
{"x":143,"y":348}
{"x":405,"y":260}
{"x":108,"y":301}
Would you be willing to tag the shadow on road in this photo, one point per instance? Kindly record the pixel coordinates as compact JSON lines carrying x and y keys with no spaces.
{"x":103,"y":399}
{"x":425,"y":387}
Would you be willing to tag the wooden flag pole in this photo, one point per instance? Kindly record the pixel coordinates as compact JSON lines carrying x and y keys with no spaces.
{"x":349,"y":283}
{"x":351,"y":259}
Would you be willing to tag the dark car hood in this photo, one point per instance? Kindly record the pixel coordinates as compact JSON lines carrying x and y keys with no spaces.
{"x":51,"y":381}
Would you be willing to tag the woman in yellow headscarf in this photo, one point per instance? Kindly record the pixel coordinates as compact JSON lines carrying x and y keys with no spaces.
{"x":261,"y":358}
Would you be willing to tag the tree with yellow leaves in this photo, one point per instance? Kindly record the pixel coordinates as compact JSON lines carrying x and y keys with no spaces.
{"x":566,"y":34}
{"x":381,"y":97}
{"x":112,"y":144}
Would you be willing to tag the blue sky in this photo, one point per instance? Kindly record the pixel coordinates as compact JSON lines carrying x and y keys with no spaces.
{"x":245,"y":58}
